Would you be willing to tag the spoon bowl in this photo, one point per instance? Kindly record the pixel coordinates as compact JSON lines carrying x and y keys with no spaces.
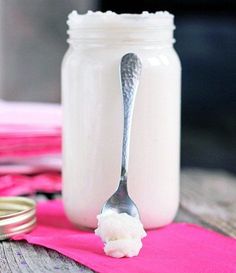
{"x":120,"y":202}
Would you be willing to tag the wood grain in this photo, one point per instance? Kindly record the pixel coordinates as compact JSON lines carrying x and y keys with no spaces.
{"x":208,"y":198}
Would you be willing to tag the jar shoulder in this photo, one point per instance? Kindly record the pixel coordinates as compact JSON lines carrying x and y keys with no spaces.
{"x":68,"y":56}
{"x":176,"y":57}
{"x":166,"y":57}
{"x":103,"y":56}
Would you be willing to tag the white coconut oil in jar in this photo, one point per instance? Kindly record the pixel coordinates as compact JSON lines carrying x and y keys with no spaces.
{"x":93,"y":115}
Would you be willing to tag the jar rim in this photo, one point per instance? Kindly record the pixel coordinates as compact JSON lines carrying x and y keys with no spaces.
{"x":112,"y":20}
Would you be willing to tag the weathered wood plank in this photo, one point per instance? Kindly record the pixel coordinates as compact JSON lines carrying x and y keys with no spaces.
{"x":210,"y":197}
{"x":23,"y":257}
{"x":49,"y":260}
{"x":4,"y":264}
{"x":67,"y":265}
{"x":36,"y":257}
{"x":12,"y":263}
{"x":19,"y":258}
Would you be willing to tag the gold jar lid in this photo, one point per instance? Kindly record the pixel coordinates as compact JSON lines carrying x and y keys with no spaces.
{"x":17,"y":216}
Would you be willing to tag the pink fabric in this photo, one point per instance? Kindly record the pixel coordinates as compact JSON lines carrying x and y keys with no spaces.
{"x":29,"y":130}
{"x":43,"y":115}
{"x":177,"y":248}
{"x":39,"y":164}
{"x":16,"y":184}
{"x":30,"y":148}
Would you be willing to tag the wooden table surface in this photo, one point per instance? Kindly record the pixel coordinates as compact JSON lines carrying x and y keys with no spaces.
{"x":208,"y":198}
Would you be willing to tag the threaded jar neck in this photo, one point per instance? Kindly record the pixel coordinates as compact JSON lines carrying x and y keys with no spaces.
{"x":110,"y":28}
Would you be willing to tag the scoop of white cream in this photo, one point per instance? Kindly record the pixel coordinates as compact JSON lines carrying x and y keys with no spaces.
{"x":121,"y":234}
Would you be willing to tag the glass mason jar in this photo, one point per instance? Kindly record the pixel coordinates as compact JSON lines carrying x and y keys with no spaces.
{"x":93,"y":116}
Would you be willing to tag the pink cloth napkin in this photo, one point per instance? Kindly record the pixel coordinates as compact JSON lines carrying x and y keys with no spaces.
{"x":30,"y":148}
{"x":177,"y":248}
{"x":29,"y":130}
{"x":16,"y":184}
{"x":39,"y":164}
{"x":42,"y":115}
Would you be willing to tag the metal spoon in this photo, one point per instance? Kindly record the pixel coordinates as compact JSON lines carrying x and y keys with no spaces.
{"x":130,"y":70}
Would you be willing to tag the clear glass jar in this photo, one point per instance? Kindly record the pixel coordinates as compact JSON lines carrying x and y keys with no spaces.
{"x":93,"y":116}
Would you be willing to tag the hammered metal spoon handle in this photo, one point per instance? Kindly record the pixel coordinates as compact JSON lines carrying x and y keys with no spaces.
{"x":130,"y":69}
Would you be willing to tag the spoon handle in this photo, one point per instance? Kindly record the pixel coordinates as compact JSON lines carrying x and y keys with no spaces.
{"x":130,"y":70}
